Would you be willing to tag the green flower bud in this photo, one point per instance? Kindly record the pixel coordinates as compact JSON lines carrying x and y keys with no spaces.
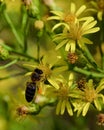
{"x":3,"y":53}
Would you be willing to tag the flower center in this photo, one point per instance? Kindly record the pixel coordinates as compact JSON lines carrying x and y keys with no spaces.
{"x":63,"y":92}
{"x":75,"y":32}
{"x":46,"y":70}
{"x":69,"y":18}
{"x":90,"y":94}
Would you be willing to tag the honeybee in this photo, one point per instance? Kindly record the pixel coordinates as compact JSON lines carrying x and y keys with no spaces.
{"x":30,"y":91}
{"x":36,"y":75}
{"x":32,"y":86}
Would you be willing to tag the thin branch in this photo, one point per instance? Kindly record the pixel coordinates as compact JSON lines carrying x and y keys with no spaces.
{"x":20,"y":42}
{"x":8,"y":64}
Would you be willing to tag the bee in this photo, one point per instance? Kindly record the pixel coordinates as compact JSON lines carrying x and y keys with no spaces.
{"x":30,"y":91}
{"x":36,"y":75}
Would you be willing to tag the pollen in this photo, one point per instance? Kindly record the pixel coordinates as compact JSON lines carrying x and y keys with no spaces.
{"x":90,"y":94}
{"x":46,"y":70}
{"x":63,"y":92}
{"x":69,"y":18}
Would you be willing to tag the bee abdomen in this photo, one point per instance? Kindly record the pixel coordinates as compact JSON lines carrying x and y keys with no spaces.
{"x":30,"y":91}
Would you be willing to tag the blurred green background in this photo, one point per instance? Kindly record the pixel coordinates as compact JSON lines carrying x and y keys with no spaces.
{"x":12,"y":91}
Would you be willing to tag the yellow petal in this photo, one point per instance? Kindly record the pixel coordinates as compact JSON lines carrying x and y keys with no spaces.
{"x":58,"y":13}
{"x":53,"y":83}
{"x":63,"y":107}
{"x":85,"y":109}
{"x":72,"y":8}
{"x":60,"y":24}
{"x":100,"y":15}
{"x":93,"y":30}
{"x":86,"y":40}
{"x":80,"y":10}
{"x":87,"y":21}
{"x":58,"y":107}
{"x":67,"y":47}
{"x":54,"y":18}
{"x":90,"y":25}
{"x":97,"y":104}
{"x":28,"y":73}
{"x":69,"y":109}
{"x":61,"y":44}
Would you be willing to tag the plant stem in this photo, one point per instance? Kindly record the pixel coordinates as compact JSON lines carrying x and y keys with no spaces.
{"x":9,"y":64}
{"x":24,"y":28}
{"x":25,"y":55}
{"x":88,"y":73}
{"x":13,"y":28}
{"x":13,"y":75}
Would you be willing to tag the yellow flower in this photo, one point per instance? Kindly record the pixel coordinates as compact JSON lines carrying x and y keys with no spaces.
{"x":68,"y":17}
{"x":64,"y":94}
{"x":89,"y":95}
{"x":50,"y":71}
{"x":98,"y":7}
{"x":76,"y":35}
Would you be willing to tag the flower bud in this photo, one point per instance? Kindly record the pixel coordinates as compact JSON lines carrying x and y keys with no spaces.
{"x":39,"y":24}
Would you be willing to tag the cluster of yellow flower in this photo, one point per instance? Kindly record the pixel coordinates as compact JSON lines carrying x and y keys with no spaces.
{"x":75,"y":28}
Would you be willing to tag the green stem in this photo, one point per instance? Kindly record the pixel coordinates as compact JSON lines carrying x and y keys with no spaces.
{"x":88,"y":73}
{"x":14,"y":75}
{"x":89,"y":56}
{"x":25,"y":55}
{"x":9,"y":64}
{"x":25,"y":35}
{"x":12,"y":28}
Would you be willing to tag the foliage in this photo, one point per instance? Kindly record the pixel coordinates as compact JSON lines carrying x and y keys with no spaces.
{"x":65,"y":45}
